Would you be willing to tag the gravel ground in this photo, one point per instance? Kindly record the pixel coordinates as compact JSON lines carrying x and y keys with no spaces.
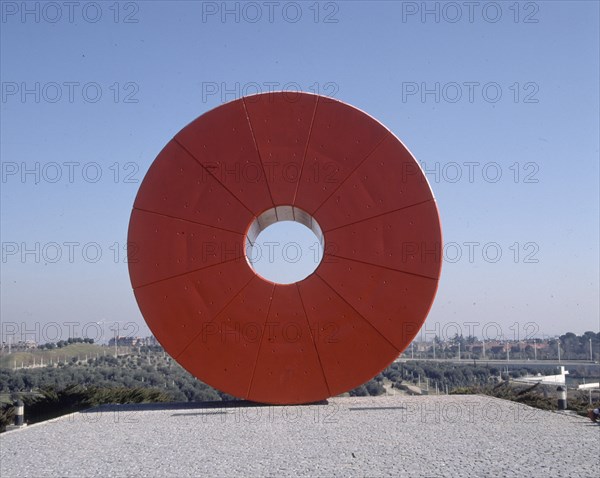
{"x":374,"y":436}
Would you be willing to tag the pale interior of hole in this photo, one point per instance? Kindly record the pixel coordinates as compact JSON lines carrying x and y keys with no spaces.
{"x":279,"y":214}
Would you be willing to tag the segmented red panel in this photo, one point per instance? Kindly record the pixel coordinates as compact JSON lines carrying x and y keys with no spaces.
{"x":347,"y":343}
{"x":178,"y":309}
{"x":221,"y":140}
{"x":341,"y":138}
{"x":281,"y":124}
{"x":161,"y":247}
{"x":393,"y":302}
{"x":407,"y":240}
{"x":288,"y":369}
{"x":225,"y":352}
{"x":177,"y":185}
{"x":388,"y":180}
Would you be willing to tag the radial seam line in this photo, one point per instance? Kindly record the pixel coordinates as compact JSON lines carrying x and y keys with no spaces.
{"x":261,"y":341}
{"x":361,"y":316}
{"x":188,"y":272}
{"x":313,"y":340}
{"x":216,"y":315}
{"x":262,"y":165}
{"x":312,"y":122}
{"x":186,"y":220}
{"x":383,"y":267}
{"x":388,"y":133}
{"x":381,"y":214}
{"x":209,"y":172}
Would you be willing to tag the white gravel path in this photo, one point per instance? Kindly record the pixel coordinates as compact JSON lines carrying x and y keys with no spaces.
{"x":426,"y":436}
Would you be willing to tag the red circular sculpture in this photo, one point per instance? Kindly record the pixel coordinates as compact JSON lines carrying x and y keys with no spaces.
{"x":284,"y":156}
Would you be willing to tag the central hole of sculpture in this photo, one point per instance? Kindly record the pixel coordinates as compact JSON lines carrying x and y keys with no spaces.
{"x":284,"y":245}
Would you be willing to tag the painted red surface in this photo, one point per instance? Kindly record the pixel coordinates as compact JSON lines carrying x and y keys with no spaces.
{"x":324,"y":335}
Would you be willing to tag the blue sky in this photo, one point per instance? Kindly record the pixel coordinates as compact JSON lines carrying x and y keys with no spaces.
{"x":158,"y":65}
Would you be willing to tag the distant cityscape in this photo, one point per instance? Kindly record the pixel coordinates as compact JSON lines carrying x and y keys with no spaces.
{"x":121,"y":341}
{"x":565,"y":347}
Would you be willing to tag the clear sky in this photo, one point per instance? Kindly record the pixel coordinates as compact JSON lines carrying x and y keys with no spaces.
{"x":499,"y":101}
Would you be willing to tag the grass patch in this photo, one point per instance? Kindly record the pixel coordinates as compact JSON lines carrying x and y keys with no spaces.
{"x":28,"y":358}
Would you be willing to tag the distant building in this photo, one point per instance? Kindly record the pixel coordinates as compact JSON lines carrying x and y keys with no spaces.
{"x":133,"y":341}
{"x":126,"y":341}
{"x":19,"y":346}
{"x":151,"y":341}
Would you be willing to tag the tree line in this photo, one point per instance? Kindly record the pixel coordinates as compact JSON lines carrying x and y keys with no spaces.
{"x":63,"y":343}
